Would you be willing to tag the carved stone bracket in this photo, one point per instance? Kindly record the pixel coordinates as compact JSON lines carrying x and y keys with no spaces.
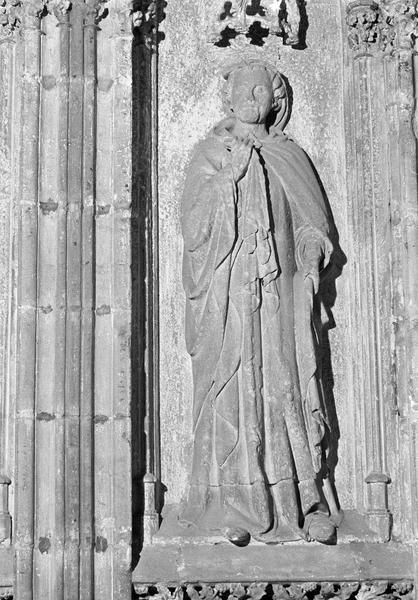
{"x":373,"y":590}
{"x":388,"y":26}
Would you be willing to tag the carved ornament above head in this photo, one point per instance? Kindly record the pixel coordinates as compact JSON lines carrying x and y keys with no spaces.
{"x":257,"y":20}
{"x":386,"y":26}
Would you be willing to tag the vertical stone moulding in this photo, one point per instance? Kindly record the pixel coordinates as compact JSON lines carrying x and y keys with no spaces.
{"x":146,"y":207}
{"x":113,"y":302}
{"x":27,"y":303}
{"x":9,"y":111}
{"x":87,"y":90}
{"x":399,"y":45}
{"x":51,"y":324}
{"x":5,"y":517}
{"x":363,"y":20}
{"x":406,"y":311}
{"x":79,"y":470}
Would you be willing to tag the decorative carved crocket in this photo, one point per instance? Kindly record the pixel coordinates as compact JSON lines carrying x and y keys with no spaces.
{"x":256,"y":238}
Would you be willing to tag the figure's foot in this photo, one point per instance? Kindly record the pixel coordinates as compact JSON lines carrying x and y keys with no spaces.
{"x":237,"y":536}
{"x":288,"y":534}
{"x":319,"y":527}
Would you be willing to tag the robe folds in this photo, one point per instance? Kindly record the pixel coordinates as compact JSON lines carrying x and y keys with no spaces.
{"x":258,"y":420}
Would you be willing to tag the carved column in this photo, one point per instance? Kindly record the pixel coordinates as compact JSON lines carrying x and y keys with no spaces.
{"x":9,"y":108}
{"x":369,"y":302}
{"x":401,"y":68}
{"x":112,"y":355}
{"x":27,"y":303}
{"x":383,"y":78}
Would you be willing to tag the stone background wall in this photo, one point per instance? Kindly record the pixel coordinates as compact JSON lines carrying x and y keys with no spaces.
{"x":347,"y":115}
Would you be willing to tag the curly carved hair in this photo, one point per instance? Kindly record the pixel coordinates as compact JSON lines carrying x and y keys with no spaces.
{"x":280,"y":95}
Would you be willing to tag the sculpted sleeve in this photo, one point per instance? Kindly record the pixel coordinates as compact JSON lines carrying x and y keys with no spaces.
{"x":209,"y":232}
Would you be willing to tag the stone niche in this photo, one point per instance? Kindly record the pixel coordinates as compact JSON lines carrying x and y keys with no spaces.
{"x":102,"y":106}
{"x":345,"y":68}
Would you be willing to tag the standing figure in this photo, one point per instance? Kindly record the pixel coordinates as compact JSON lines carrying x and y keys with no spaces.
{"x":256,"y":235}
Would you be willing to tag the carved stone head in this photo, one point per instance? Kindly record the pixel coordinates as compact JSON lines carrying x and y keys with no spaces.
{"x":253,"y":90}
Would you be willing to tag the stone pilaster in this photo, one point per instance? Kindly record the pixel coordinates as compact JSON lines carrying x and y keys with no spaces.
{"x":401,"y":67}
{"x":381,"y":37}
{"x":370,"y":274}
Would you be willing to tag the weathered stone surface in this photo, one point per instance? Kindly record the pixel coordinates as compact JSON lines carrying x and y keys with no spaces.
{"x":276,"y":591}
{"x":224,"y":563}
{"x":66,"y":313}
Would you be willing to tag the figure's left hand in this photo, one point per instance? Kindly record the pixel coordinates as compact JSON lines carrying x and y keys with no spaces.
{"x":311,"y":271}
{"x":312,"y":258}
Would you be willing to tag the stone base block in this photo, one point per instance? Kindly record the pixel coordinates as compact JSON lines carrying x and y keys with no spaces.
{"x":6,"y":573}
{"x":223,"y":563}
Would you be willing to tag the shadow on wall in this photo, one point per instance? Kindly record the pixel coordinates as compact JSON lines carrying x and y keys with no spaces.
{"x":144,"y":230}
{"x":325,"y":302}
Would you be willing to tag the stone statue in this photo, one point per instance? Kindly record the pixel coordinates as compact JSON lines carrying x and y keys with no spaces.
{"x":256,"y":236}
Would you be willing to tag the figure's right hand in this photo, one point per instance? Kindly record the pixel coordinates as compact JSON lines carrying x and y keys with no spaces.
{"x":241,"y":155}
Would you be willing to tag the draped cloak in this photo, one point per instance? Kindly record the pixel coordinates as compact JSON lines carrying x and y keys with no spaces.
{"x":257,"y":414}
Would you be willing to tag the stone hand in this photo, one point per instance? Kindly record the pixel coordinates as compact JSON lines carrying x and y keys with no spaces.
{"x":311,"y":272}
{"x":241,"y":156}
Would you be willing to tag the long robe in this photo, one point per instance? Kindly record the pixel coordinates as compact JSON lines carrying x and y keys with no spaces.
{"x":257,"y":414}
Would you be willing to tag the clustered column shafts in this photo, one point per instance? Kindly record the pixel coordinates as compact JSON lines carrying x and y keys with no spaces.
{"x":58,"y":393}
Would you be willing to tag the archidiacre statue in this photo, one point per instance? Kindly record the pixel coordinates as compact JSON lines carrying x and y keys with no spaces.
{"x":256,"y":238}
